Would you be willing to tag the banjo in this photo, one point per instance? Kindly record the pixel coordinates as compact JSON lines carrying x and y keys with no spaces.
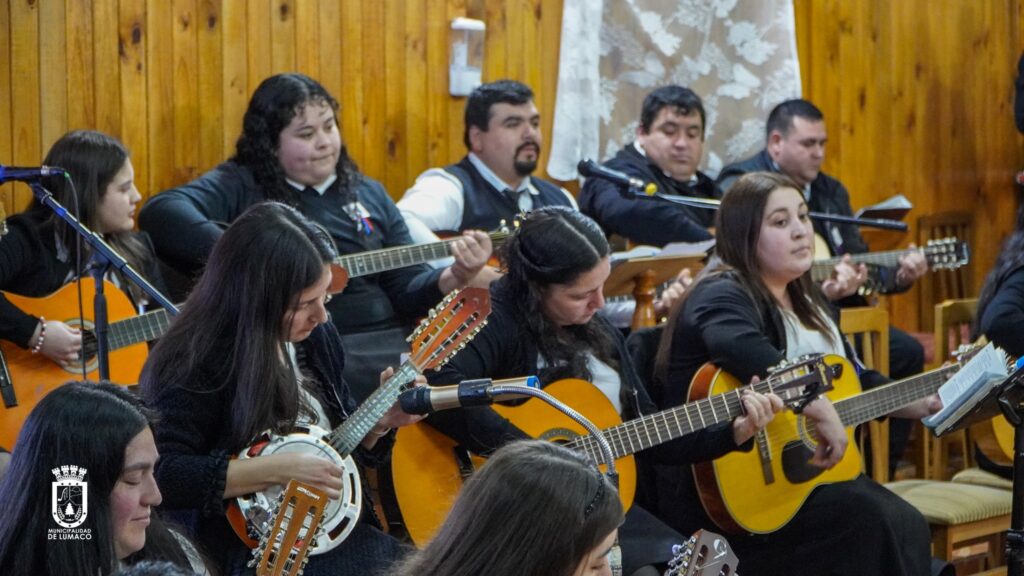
{"x":439,"y":337}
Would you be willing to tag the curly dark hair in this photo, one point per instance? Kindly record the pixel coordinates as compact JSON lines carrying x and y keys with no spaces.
{"x":273,"y":105}
{"x":556,"y":245}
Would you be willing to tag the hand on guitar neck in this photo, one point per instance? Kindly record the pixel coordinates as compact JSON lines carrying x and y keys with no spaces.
{"x":60,"y":342}
{"x":394,"y":417}
{"x":758,"y":411}
{"x":471,"y":253}
{"x":913,"y":265}
{"x":846,"y":280}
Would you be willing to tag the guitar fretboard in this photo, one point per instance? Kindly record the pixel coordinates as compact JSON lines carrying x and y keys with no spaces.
{"x":880,"y":401}
{"x":142,"y":328}
{"x":654,"y":429}
{"x":377,"y":261}
{"x":946,"y":254}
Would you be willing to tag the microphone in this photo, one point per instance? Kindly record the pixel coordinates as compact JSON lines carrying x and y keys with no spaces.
{"x":591,"y":169}
{"x":428,"y":399}
{"x":19,"y":174}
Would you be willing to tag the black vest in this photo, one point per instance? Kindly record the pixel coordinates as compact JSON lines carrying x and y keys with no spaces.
{"x":485,"y":206}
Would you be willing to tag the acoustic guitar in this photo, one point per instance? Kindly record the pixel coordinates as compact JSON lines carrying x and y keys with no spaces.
{"x":704,"y":554}
{"x":761,"y":490}
{"x":942,"y":254}
{"x":376,"y":261}
{"x":285,"y":549}
{"x":428,"y":468}
{"x":994,"y":438}
{"x":440,"y":336}
{"x":25,"y":378}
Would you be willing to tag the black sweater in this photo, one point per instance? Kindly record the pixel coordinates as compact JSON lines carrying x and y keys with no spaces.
{"x":185,"y":222}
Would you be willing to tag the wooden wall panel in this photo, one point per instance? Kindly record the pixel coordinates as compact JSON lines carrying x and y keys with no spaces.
{"x":917,"y":98}
{"x":917,"y":94}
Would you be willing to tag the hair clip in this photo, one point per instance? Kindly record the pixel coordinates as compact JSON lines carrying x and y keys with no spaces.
{"x":597,"y":496}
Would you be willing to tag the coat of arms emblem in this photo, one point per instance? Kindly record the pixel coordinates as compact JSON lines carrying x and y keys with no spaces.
{"x":70,"y":496}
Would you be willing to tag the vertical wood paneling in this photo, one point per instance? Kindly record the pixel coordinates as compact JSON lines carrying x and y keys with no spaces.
{"x":375,"y":90}
{"x":414,"y":103}
{"x":396,"y":72}
{"x":53,"y":59}
{"x":132,"y":38}
{"x":6,"y":95}
{"x":160,"y":95}
{"x":307,"y":35}
{"x":186,"y":91}
{"x":210,"y":60}
{"x":25,"y":103}
{"x":259,"y":41}
{"x":236,"y":72}
{"x":106,"y":65}
{"x":80,"y":87}
{"x":330,"y":48}
{"x":352,"y":79}
{"x":282,"y":35}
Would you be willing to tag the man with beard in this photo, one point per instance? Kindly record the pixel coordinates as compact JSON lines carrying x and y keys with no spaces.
{"x":668,"y":148}
{"x":492,"y":182}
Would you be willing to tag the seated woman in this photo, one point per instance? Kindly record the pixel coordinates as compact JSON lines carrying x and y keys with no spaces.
{"x":252,"y":351}
{"x":37,"y":255}
{"x":291,"y":151}
{"x":534,"y":508}
{"x":1001,"y":311}
{"x":104,"y":431}
{"x":754,"y":308}
{"x":544,"y":321}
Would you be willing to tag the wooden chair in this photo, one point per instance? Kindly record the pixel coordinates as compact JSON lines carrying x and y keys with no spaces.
{"x":953,"y":319}
{"x":941,"y":285}
{"x":871,"y":324}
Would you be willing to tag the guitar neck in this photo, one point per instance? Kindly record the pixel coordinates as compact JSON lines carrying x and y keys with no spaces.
{"x":141,"y":328}
{"x":880,"y":401}
{"x":347,"y":437}
{"x":377,"y":261}
{"x":822,"y":269}
{"x":660,"y":427}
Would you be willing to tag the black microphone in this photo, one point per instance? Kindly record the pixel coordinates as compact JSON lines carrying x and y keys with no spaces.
{"x":591,"y":169}
{"x":427,"y":399}
{"x":17,"y":173}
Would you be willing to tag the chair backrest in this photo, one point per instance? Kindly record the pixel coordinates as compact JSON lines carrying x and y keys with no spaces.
{"x":953,"y":320}
{"x":940,"y":285}
{"x":869,"y":327}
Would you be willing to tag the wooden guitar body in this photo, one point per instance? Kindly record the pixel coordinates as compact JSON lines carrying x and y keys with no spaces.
{"x":761,"y":490}
{"x":994,"y":438}
{"x":428,"y":468}
{"x":33,"y":376}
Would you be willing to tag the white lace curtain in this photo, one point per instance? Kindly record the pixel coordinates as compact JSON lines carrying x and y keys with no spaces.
{"x":738,"y":55}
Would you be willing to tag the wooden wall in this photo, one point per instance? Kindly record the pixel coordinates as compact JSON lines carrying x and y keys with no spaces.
{"x":918,"y":100}
{"x":172,"y":78}
{"x":917,"y":93}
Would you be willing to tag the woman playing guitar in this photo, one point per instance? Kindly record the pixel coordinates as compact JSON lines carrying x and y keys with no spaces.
{"x":545,"y":321}
{"x":253,"y":351}
{"x":751,"y":310}
{"x":37,"y":255}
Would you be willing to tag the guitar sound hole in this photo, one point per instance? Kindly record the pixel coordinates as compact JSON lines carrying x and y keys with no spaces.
{"x":89,"y":345}
{"x":796,"y":463}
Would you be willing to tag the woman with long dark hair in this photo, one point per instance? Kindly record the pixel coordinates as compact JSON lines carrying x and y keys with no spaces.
{"x":105,"y":433}
{"x":253,"y":351}
{"x":1001,"y":303}
{"x":291,"y":151}
{"x":752,"y":308}
{"x":535,"y":508}
{"x":545,"y":321}
{"x":38,"y":256}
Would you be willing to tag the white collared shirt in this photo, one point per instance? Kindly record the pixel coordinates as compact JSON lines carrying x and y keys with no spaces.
{"x":436,"y":201}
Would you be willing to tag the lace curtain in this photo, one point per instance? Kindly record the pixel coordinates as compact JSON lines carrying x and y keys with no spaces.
{"x":739,"y":56}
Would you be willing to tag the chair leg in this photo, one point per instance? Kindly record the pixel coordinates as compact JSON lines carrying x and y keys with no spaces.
{"x":942,"y":543}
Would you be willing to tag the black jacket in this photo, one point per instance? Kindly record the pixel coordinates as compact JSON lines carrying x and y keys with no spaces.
{"x":647,"y":221}
{"x":29,"y":267}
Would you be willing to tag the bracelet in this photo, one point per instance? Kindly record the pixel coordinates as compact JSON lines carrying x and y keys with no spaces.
{"x":380,"y":434}
{"x":42,"y":336}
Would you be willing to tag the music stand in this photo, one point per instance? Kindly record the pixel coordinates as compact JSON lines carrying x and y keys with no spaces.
{"x":1006,"y":397}
{"x":638,"y":277}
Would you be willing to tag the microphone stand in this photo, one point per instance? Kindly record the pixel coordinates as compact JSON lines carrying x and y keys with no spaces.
{"x":602,"y":442}
{"x":103,"y":257}
{"x":709,"y":204}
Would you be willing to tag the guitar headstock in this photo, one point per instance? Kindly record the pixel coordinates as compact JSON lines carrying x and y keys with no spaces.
{"x":947,"y":253}
{"x":284,"y":550}
{"x":448,"y":327}
{"x":800,"y":380}
{"x":704,"y":554}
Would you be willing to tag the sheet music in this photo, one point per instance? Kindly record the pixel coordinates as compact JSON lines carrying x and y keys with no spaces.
{"x":985,"y":366}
